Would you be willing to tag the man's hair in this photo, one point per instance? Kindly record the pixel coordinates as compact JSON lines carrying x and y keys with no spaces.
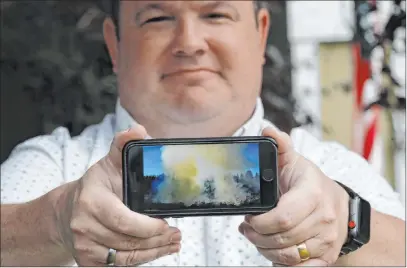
{"x":113,"y":10}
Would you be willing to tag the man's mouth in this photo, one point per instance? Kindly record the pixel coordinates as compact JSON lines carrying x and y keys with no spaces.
{"x":198,"y":72}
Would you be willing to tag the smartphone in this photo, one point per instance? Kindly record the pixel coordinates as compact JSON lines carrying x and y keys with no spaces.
{"x":200,"y":177}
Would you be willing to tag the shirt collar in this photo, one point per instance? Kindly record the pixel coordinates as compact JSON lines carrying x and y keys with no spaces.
{"x":251,"y":128}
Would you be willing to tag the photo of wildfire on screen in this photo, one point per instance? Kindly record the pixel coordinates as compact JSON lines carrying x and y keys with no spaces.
{"x":191,"y":175}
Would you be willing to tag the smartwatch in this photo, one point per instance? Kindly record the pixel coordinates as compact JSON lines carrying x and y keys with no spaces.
{"x":358,"y":222}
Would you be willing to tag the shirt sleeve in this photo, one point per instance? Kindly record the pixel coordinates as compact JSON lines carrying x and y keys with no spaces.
{"x":33,"y":168}
{"x":352,"y":170}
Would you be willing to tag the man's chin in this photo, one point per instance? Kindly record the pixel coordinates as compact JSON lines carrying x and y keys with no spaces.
{"x":191,"y":115}
{"x":192,"y":112}
{"x":195,"y":108}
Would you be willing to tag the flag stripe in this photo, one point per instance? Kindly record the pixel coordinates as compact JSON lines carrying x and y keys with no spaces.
{"x":371,"y":134}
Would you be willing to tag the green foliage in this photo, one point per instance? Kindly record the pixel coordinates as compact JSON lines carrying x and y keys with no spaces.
{"x":54,"y":51}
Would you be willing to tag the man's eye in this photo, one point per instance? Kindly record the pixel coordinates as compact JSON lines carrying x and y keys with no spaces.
{"x":216,"y":16}
{"x":158,"y":19}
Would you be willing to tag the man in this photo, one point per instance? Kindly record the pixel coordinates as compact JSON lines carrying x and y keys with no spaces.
{"x":187,"y":69}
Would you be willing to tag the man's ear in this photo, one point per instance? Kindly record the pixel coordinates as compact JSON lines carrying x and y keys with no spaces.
{"x":110,"y":36}
{"x":264,"y":22}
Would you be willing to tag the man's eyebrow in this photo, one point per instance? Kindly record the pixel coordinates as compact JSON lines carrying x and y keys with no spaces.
{"x":148,"y":7}
{"x":217,"y":4}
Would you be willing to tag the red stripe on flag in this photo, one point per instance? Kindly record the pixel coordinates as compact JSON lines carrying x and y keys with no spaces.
{"x":371,"y":134}
{"x":362,"y":74}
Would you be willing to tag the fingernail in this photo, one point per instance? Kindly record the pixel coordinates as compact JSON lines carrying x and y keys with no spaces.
{"x":176,"y":238}
{"x":174,"y":248}
{"x":241,"y":229}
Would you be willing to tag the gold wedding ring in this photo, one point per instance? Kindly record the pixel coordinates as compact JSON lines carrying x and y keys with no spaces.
{"x":303,"y":251}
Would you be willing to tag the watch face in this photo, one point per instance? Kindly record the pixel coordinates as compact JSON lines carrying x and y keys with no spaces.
{"x":364,"y":222}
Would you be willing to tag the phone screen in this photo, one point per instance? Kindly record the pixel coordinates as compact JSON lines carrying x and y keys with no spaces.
{"x":201,"y":175}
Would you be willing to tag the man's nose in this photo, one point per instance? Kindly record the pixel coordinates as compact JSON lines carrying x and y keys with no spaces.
{"x":189,"y":40}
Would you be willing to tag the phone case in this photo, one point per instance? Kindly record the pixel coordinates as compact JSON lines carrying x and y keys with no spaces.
{"x":193,"y":212}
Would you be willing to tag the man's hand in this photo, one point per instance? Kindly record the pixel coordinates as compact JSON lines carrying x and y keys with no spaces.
{"x":96,"y":219}
{"x":313,"y":209}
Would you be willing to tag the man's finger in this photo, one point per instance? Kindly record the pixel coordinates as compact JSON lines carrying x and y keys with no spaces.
{"x":112,"y":213}
{"x":115,"y":154}
{"x":137,"y":257}
{"x":290,"y":256}
{"x":292,"y":208}
{"x":98,"y":254}
{"x":283,"y":139}
{"x":101,"y":235}
{"x":314,"y":263}
{"x":307,"y":229}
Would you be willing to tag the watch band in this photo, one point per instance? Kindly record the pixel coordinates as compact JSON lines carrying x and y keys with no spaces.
{"x":351,"y":193}
{"x":358,"y":222}
{"x":349,"y":246}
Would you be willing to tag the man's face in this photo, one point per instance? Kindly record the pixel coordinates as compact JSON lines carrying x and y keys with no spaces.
{"x":188,"y":61}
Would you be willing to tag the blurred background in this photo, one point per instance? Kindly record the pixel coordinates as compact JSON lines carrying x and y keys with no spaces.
{"x":336,"y":68}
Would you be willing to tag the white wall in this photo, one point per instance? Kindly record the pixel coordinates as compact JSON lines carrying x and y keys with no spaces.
{"x":311,"y":22}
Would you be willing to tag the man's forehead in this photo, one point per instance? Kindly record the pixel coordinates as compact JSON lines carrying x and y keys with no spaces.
{"x":156,"y":4}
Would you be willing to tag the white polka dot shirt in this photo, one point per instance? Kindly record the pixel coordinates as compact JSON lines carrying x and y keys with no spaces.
{"x":43,"y":163}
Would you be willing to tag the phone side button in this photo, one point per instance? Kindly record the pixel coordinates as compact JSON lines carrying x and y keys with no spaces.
{"x":268,"y":175}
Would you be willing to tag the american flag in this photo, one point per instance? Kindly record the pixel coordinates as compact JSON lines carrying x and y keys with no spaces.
{"x":365,"y":129}
{"x":375,"y":135}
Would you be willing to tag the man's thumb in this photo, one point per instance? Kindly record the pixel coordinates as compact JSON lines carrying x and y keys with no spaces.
{"x":283,"y":139}
{"x":115,"y":154}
